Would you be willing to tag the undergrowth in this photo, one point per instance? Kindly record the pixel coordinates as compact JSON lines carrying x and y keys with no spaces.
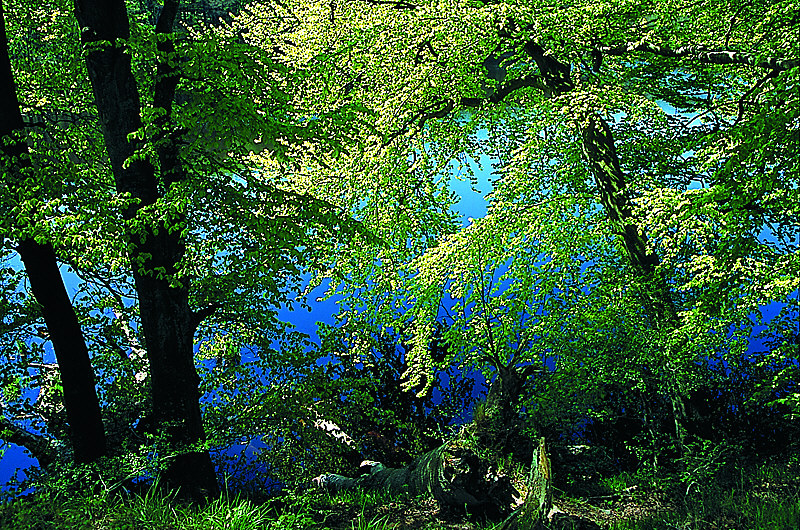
{"x":763,"y":497}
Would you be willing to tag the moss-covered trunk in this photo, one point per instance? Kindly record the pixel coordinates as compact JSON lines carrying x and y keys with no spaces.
{"x":491,"y":468}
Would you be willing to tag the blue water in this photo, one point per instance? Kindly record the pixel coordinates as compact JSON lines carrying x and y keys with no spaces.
{"x":15,"y":461}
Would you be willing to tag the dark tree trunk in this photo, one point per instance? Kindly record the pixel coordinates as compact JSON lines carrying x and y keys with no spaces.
{"x":597,"y":142}
{"x":600,"y":152}
{"x":168,"y":322}
{"x":601,"y":155}
{"x":497,"y":425}
{"x":77,"y":378}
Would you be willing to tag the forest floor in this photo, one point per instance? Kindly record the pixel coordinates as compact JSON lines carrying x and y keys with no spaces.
{"x":761,"y":496}
{"x":764,"y":497}
{"x":425,"y":514}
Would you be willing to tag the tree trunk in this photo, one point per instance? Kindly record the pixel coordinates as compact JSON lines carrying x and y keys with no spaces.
{"x":77,"y":377}
{"x":600,"y":152}
{"x":168,"y":325}
{"x":168,"y":322}
{"x":453,"y":474}
{"x":538,"y":495}
{"x":601,"y":155}
{"x":497,"y":425}
{"x":464,"y":472}
{"x":597,"y":142}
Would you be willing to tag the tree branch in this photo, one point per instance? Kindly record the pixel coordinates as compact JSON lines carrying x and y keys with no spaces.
{"x":201,"y":314}
{"x":532,"y":81}
{"x":702,"y":54}
{"x":167,"y":78}
{"x":397,"y":4}
{"x":423,"y":115}
{"x":41,"y":447}
{"x":746,"y":95}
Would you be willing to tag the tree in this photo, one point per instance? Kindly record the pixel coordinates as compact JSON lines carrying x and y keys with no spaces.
{"x":545,"y":90}
{"x":627,"y":221}
{"x":41,"y":265}
{"x":623,"y":139}
{"x":157,"y":247}
{"x":155,"y":251}
{"x":180,"y":153}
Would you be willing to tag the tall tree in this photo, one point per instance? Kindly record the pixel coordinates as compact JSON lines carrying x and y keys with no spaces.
{"x":41,"y":265}
{"x":239,"y":254}
{"x":599,"y":171}
{"x":236,"y":258}
{"x":508,"y":69}
{"x":155,"y":247}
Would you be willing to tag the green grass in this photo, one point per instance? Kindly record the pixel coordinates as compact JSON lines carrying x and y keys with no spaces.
{"x":763,"y":497}
{"x":153,"y":510}
{"x":364,"y":499}
{"x":617,"y":484}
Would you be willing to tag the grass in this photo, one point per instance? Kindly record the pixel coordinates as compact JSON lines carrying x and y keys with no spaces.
{"x":153,"y":510}
{"x":764,"y":497}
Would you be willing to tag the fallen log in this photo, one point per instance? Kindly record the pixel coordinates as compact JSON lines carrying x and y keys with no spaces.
{"x":452,"y":473}
{"x":458,"y":477}
{"x":491,"y":469}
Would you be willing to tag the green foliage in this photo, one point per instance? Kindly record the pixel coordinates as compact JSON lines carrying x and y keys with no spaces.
{"x":249,"y":233}
{"x":544,"y":278}
{"x":80,"y":498}
{"x":323,"y":139}
{"x":317,"y":410}
{"x":742,"y":496}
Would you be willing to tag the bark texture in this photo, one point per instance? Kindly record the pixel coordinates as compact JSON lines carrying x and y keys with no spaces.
{"x":453,"y":474}
{"x":464,"y":472}
{"x":77,"y":377}
{"x":538,"y":494}
{"x":168,"y":322}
